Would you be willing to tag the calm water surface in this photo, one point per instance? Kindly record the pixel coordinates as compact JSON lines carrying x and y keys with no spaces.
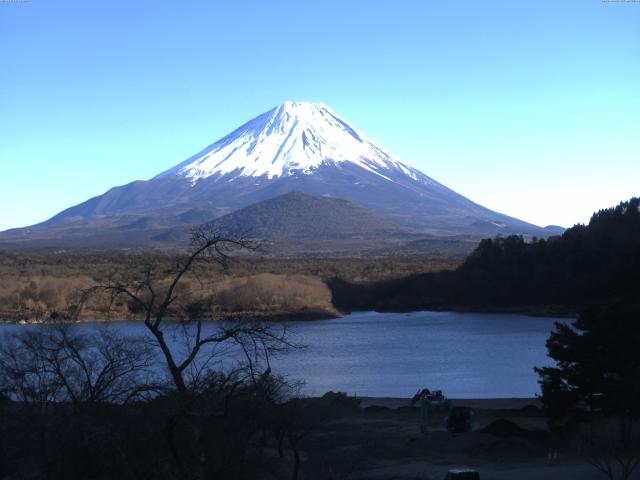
{"x":467,"y":355}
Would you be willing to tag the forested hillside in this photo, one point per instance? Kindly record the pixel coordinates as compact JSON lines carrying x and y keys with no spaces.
{"x":589,"y":264}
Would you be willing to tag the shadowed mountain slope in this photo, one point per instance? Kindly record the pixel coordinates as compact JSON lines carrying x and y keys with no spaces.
{"x":300,"y":215}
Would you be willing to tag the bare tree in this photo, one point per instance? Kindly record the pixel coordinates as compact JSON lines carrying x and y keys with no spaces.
{"x":76,"y":385}
{"x":607,"y":453}
{"x":59,"y":363}
{"x":58,"y":377}
{"x":159,"y":301}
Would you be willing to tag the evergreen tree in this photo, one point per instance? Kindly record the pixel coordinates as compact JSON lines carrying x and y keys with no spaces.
{"x":597,"y":366}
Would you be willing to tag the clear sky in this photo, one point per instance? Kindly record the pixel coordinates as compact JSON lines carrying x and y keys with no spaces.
{"x":531,"y":108}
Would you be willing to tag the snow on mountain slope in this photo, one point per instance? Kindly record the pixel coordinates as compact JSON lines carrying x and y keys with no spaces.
{"x":294,"y":147}
{"x":292,"y":137}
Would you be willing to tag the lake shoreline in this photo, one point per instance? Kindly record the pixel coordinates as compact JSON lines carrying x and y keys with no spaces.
{"x":489,"y":403}
{"x":315,"y":315}
{"x":546,"y":311}
{"x":242,"y":316}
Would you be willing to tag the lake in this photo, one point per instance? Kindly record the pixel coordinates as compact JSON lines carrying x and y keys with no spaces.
{"x":466,"y":355}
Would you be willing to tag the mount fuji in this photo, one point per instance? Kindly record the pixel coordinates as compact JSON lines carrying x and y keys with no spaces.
{"x":295,"y":137}
{"x":294,"y":147}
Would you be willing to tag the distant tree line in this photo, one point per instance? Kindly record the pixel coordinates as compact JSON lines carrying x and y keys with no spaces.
{"x":592,"y":264}
{"x":39,"y":286}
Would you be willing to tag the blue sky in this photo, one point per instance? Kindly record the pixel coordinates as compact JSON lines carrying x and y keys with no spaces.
{"x":531,"y":108}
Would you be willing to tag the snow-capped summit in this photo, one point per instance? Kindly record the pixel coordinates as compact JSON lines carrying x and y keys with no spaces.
{"x":291,"y":138}
{"x":294,"y":147}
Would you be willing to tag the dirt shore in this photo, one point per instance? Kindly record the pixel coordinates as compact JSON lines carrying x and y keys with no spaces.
{"x":381,"y":439}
